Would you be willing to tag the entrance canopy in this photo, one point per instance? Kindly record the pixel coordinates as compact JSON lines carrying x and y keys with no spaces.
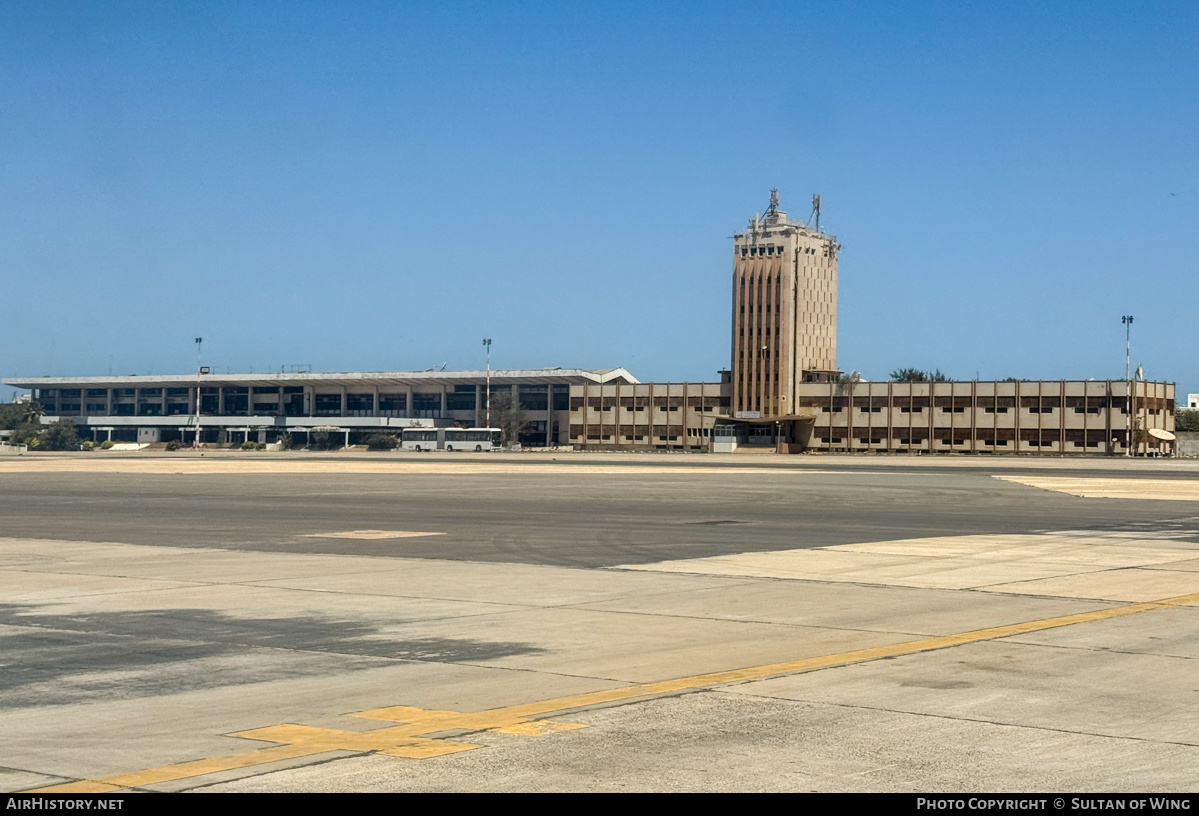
{"x":804,"y":415}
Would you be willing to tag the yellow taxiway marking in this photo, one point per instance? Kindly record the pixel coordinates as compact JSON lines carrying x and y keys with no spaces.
{"x":1104,"y":488}
{"x":370,"y":534}
{"x":411,"y":738}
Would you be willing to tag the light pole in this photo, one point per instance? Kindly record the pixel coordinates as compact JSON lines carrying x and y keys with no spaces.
{"x":1127,"y":321}
{"x":487,"y":345}
{"x":199,"y":347}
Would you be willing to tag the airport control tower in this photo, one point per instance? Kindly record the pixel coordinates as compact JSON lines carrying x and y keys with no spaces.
{"x":784,"y":311}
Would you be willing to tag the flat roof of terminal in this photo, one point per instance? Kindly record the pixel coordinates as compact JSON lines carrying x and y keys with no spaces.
{"x":519,"y":376}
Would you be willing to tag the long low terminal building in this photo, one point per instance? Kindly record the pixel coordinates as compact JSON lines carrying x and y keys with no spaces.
{"x":610,"y":409}
{"x":233,"y":408}
{"x":1025,"y":417}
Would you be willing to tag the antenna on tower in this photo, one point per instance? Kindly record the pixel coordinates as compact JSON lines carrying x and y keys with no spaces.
{"x":815,"y":211}
{"x":774,"y":201}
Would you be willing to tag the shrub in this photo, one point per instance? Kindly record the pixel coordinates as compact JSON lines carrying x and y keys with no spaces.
{"x":259,"y":446}
{"x":248,"y":445}
{"x":106,"y":444}
{"x":382,"y":441}
{"x":61,"y":436}
{"x":320,"y":440}
{"x":27,"y":433}
{"x":173,"y":445}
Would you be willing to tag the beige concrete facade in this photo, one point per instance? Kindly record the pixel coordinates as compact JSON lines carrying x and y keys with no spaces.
{"x":783,"y":392}
{"x":1047,"y":417}
{"x":784,"y":311}
{"x":661,"y":416}
{"x":1056,"y":417}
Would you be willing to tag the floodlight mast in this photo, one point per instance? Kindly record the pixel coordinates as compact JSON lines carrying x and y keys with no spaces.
{"x":1128,"y":401}
{"x":487,"y":345}
{"x":199,"y":347}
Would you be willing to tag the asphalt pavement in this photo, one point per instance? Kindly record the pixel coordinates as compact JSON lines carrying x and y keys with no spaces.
{"x":576,"y":622}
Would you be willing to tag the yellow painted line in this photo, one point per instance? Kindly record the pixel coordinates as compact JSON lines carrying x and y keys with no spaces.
{"x":370,"y":535}
{"x":183,"y":770}
{"x":411,"y":738}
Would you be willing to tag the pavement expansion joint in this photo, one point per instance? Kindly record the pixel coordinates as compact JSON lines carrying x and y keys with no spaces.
{"x":411,"y":737}
{"x":978,"y":720}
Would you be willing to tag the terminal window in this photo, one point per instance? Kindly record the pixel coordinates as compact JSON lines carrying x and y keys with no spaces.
{"x":536,"y":398}
{"x":426,"y":404}
{"x":327,"y":404}
{"x":360,"y":404}
{"x":460,"y":401}
{"x":561,"y":397}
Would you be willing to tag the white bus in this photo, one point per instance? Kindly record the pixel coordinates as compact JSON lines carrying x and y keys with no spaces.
{"x":450,"y":439}
{"x":476,"y":439}
{"x":422,"y":439}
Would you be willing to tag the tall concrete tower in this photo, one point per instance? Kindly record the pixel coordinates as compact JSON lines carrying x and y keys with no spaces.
{"x":784,"y":311}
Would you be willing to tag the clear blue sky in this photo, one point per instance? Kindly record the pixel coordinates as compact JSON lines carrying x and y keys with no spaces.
{"x":364,"y":186}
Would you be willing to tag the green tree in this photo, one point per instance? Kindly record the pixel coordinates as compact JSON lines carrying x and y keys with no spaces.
{"x":61,"y":436}
{"x":13,"y":414}
{"x":26,"y":434}
{"x":1187,"y":420}
{"x":911,"y":375}
{"x":1139,"y":434}
{"x":507,"y":416}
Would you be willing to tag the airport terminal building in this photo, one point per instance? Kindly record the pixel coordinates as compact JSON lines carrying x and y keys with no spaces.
{"x":232,"y":408}
{"x":611,"y":410}
{"x":1026,"y":417}
{"x":782,"y":390}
